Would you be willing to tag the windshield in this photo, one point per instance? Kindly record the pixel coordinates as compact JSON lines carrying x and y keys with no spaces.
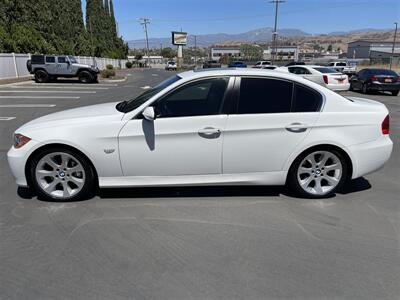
{"x":129,"y":105}
{"x":325,"y":70}
{"x":72,"y":59}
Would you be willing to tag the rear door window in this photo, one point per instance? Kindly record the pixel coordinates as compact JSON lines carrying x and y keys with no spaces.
{"x":264,"y":96}
{"x":50,"y":59}
{"x":306,"y":99}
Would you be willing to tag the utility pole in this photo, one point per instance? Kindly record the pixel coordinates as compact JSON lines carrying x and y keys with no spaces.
{"x":275,"y":33}
{"x":195,"y":51}
{"x":144,"y":21}
{"x":394,"y":44}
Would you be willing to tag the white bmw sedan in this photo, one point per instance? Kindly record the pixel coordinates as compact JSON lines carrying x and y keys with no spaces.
{"x":213,"y":127}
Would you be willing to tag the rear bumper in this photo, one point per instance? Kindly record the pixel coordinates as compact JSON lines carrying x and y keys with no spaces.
{"x":370,"y":157}
{"x":384,"y":86}
{"x":338,"y":87}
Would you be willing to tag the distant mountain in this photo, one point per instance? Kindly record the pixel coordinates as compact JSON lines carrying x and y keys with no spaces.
{"x":205,"y":40}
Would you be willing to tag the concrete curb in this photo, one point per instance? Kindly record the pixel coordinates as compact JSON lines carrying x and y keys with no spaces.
{"x":111,"y":80}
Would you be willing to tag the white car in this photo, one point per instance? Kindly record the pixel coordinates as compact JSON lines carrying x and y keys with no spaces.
{"x":325,"y":76}
{"x":209,"y":127}
{"x":262,"y":64}
{"x":171,"y":66}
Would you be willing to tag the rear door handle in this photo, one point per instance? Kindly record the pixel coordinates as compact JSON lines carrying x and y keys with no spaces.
{"x":296,"y":127}
{"x":209,"y":132}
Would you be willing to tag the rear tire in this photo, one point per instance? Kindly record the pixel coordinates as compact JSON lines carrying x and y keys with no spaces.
{"x":59,"y":174}
{"x":85,"y":77}
{"x":41,"y":76}
{"x":395,"y":93}
{"x":318,"y":173}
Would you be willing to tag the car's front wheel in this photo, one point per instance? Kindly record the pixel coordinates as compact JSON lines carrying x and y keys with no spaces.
{"x":318,"y":173}
{"x":85,"y":77}
{"x":62,"y":175}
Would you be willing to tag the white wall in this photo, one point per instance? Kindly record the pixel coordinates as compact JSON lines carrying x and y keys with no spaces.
{"x":14,"y":65}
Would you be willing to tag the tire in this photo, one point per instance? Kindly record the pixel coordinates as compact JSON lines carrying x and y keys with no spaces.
{"x":85,"y":77}
{"x":395,"y":93}
{"x":60,"y":174}
{"x":41,"y":76}
{"x":364,"y":89}
{"x":318,"y":173}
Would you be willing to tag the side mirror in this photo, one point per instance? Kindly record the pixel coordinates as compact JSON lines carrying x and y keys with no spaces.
{"x":149,"y":114}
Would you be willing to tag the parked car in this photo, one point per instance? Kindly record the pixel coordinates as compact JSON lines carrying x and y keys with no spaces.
{"x":237,"y":64}
{"x":343,"y":67}
{"x":50,"y":67}
{"x":374,"y":79}
{"x":328,"y":77}
{"x":262,"y":64}
{"x":295,"y":63}
{"x":211,"y":64}
{"x":215,"y":127}
{"x":171,"y":66}
{"x":270,"y":67}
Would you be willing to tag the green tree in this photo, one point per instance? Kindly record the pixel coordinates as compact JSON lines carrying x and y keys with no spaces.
{"x":251,"y":52}
{"x":168,"y":52}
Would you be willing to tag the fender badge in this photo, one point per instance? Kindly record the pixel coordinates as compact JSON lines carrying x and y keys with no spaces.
{"x":109,"y":151}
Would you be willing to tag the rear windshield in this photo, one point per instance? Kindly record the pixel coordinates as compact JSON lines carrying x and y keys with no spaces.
{"x":325,"y":70}
{"x":341,"y":64}
{"x":382,"y":72}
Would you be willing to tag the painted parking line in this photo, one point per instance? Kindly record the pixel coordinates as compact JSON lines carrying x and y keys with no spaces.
{"x":39,"y":97}
{"x":56,"y":87}
{"x":58,"y":92}
{"x":6,"y":118}
{"x":146,"y":87}
{"x":26,"y":105}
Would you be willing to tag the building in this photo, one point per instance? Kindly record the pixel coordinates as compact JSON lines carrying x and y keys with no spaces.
{"x":371,"y":49}
{"x":283,"y":53}
{"x":217,"y":52}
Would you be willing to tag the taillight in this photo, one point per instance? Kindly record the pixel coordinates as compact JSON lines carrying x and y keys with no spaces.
{"x":325,"y":78}
{"x":374,"y":78}
{"x":386,"y":125}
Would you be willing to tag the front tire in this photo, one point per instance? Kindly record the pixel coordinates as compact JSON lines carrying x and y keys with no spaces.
{"x":41,"y":76}
{"x":85,"y":77}
{"x":318,"y":173}
{"x":59,"y":174}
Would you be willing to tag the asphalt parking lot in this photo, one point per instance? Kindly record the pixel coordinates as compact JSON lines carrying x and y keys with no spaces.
{"x":198,"y":242}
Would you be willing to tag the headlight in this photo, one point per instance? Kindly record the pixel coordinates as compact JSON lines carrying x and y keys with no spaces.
{"x":20,"y":140}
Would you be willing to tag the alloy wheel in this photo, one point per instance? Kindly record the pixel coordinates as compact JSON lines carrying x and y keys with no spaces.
{"x":319,"y":172}
{"x":60,"y":175}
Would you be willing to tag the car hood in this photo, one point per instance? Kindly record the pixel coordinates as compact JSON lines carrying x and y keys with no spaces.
{"x":73,"y":116}
{"x":83,"y":66}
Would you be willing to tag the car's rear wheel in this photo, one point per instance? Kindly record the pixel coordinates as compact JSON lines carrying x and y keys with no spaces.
{"x":395,"y":93}
{"x":318,"y":173}
{"x":85,"y":77}
{"x":59,"y":174}
{"x":41,"y":76}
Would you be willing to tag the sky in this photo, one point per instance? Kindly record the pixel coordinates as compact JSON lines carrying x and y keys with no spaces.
{"x":237,"y":16}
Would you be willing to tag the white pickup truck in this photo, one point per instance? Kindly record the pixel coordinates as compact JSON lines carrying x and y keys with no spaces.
{"x":343,"y":67}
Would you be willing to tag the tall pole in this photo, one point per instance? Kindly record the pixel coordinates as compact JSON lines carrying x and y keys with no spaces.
{"x":275,"y":33}
{"x":144,"y":21}
{"x":394,"y":44}
{"x":195,"y":51}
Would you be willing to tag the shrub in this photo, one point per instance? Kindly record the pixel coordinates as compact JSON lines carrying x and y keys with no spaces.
{"x":107,"y":73}
{"x":128,"y":64}
{"x":109,"y":67}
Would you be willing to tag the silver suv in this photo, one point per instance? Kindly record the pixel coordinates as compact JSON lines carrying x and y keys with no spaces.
{"x":49,"y":67}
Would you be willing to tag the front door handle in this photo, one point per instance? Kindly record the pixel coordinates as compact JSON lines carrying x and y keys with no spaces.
{"x":297,"y":127}
{"x":209,"y":132}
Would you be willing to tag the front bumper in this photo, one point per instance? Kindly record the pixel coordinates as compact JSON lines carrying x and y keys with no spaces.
{"x":17,"y":159}
{"x":370,"y":157}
